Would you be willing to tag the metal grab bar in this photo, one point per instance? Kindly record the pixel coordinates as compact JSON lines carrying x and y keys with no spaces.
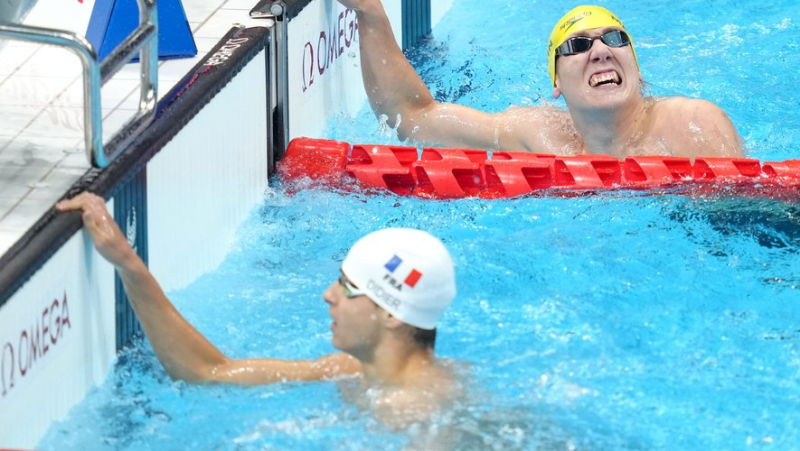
{"x":144,"y":39}
{"x":276,"y":10}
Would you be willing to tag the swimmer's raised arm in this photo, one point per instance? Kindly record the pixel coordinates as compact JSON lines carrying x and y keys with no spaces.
{"x":185,"y":353}
{"x":395,"y":89}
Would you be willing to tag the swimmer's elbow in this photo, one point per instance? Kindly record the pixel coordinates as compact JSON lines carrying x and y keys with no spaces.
{"x":416,"y":124}
{"x":336,"y":365}
{"x":197,"y":376}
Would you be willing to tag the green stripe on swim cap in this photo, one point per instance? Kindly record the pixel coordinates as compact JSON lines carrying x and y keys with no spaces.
{"x":579,"y":19}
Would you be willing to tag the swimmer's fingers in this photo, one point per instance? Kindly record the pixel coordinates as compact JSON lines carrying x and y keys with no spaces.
{"x":83,"y":201}
{"x":101,"y":226}
{"x":93,"y":211}
{"x":77,"y":202}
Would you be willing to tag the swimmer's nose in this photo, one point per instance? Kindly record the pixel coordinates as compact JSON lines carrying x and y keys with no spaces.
{"x":329,"y":295}
{"x":599,"y":51}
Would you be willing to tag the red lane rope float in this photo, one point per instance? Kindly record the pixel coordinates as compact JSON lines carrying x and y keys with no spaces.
{"x":454,"y":173}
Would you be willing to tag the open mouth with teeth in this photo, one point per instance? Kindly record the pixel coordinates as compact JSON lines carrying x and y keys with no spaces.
{"x":605,"y":78}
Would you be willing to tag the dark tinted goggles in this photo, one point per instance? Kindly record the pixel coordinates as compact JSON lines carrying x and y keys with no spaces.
{"x":580,"y":44}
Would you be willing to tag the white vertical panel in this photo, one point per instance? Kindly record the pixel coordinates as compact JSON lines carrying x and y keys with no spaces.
{"x":78,"y":354}
{"x":324,"y":65}
{"x":207,"y":180}
{"x":394,"y":9}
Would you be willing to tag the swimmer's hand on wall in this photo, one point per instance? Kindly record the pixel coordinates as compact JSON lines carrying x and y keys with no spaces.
{"x":185,"y":353}
{"x":107,"y":237}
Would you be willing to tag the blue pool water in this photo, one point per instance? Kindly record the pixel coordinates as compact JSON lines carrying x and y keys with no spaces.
{"x":614,"y":321}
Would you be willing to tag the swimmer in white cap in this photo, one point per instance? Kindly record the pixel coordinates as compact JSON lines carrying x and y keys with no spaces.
{"x":591,"y":62}
{"x":393,"y":288}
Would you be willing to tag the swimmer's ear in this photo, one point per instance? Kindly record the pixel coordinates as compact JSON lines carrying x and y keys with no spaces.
{"x":391,"y":322}
{"x":556,"y":90}
{"x":641,"y":78}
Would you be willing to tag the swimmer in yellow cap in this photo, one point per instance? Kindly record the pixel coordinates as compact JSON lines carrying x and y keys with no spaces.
{"x":592,"y":63}
{"x":566,"y":40}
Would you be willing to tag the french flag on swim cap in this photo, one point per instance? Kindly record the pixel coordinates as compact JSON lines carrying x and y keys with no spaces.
{"x":412,"y":278}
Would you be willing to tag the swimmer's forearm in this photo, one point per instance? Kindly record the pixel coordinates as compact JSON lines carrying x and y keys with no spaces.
{"x":392,"y":85}
{"x":185,"y":353}
{"x":270,"y":371}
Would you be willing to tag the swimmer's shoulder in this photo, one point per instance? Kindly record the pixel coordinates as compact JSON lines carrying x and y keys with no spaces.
{"x":444,"y":383}
{"x":685,"y":109}
{"x":535,"y":128}
{"x":401,"y":406}
{"x":696,"y":127}
{"x":422,"y":397}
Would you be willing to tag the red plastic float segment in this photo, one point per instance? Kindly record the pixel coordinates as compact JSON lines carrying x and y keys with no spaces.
{"x":709,"y":168}
{"x":450,"y":173}
{"x":655,"y":170}
{"x":317,"y":159}
{"x":788,"y":170}
{"x":386,"y":167}
{"x":513,"y":174}
{"x":587,"y":172}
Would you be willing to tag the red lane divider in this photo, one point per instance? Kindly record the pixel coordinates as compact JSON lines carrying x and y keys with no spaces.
{"x":387,"y":167}
{"x":450,"y":173}
{"x":321,"y":160}
{"x":649,"y":170}
{"x":454,"y":173}
{"x":510,"y":174}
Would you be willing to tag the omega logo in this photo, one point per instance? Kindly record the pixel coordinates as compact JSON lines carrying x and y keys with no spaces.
{"x":330,"y":46}
{"x":18,"y":357}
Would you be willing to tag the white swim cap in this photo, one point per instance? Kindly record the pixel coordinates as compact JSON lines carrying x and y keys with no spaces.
{"x":407,"y":272}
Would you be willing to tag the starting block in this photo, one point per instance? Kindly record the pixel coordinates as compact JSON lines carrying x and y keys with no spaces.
{"x":113,"y":20}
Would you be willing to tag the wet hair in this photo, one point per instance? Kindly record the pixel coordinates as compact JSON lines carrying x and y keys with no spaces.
{"x":425,"y":339}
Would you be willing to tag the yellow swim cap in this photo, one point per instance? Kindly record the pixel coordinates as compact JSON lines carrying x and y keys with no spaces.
{"x":580,"y":19}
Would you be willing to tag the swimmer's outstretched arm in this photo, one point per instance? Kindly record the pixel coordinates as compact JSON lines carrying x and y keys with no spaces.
{"x":185,"y":353}
{"x":394,"y":88}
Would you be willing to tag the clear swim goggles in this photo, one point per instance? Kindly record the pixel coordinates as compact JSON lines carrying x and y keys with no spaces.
{"x":350,"y":290}
{"x":580,"y":44}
